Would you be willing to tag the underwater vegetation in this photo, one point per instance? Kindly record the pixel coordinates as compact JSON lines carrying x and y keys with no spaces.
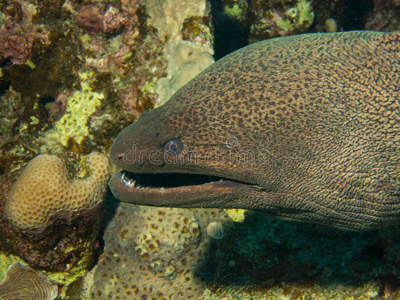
{"x":72,"y":75}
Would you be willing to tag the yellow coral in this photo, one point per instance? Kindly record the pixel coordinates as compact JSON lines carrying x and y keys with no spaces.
{"x":234,"y":11}
{"x":7,"y":260}
{"x":237,"y":215}
{"x":61,"y":278}
{"x":80,"y":106}
{"x":300,"y":16}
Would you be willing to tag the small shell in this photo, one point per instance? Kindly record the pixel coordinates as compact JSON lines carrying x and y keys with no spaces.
{"x":331,"y":25}
{"x":216,"y":230}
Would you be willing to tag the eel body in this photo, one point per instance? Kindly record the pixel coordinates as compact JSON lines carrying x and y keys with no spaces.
{"x":302,"y":128}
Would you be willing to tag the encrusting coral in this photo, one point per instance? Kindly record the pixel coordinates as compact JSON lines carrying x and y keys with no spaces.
{"x":18,"y":34}
{"x":22,"y":282}
{"x":185,"y":61}
{"x":73,"y":125}
{"x":52,"y":221}
{"x":156,"y":253}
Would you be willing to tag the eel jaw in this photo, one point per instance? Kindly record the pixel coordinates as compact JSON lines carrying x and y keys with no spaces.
{"x":171,"y":189}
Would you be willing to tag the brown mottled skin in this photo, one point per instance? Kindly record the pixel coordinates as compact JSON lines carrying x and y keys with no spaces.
{"x":317,"y":116}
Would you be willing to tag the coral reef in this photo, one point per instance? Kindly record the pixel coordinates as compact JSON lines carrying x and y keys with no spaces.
{"x":18,"y":33}
{"x":72,"y":74}
{"x":267,"y":19}
{"x":73,"y":124}
{"x":188,"y":49}
{"x":116,"y":60}
{"x":156,"y":253}
{"x":46,"y":214}
{"x":186,"y":60}
{"x":92,"y":68}
{"x":22,"y":282}
{"x":385,"y":16}
{"x":125,"y":52}
{"x":11,"y":108}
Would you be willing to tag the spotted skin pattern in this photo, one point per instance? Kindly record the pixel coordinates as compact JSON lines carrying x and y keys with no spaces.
{"x":310,"y":123}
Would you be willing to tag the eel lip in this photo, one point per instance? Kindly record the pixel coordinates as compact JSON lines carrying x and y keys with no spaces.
{"x":168,"y":189}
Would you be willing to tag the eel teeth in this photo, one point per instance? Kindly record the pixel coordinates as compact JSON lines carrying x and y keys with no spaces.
{"x":123,"y":177}
{"x":128,"y":181}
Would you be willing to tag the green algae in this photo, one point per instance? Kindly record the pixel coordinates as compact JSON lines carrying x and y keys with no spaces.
{"x":297,"y":17}
{"x":234,"y":11}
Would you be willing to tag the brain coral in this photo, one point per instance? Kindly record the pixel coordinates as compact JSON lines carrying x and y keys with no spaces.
{"x":51,"y":220}
{"x":156,"y":253}
{"x":44,"y":188}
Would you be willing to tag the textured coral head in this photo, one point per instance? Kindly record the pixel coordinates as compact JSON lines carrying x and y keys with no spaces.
{"x":43,"y":189}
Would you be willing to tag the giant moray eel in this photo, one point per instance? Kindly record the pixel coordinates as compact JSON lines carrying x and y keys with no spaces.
{"x":301,"y":128}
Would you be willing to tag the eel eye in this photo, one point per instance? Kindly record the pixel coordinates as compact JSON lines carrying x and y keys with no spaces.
{"x":173,"y":147}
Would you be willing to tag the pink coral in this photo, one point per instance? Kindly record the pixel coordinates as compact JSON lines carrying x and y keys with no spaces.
{"x":113,"y":20}
{"x":16,"y":48}
{"x":59,"y":105}
{"x":91,"y":17}
{"x":18,"y":34}
{"x":94,"y":18}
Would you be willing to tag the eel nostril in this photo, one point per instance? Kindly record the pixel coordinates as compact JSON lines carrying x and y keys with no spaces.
{"x":120,"y":156}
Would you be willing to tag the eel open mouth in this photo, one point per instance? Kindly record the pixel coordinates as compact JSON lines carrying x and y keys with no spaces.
{"x":164,"y":180}
{"x":174,"y":189}
{"x":170,"y":189}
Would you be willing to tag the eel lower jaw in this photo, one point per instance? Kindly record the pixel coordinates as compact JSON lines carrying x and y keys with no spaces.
{"x":170,"y":189}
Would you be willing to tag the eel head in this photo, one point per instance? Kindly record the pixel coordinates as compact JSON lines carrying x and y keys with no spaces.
{"x":176,"y":169}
